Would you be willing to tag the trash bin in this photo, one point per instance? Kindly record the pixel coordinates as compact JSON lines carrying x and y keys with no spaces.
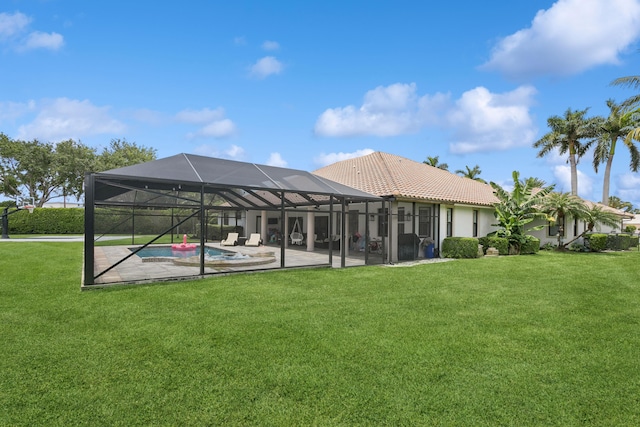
{"x":428,"y":250}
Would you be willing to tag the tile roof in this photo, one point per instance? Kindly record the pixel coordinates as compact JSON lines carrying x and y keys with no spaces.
{"x":384,"y":174}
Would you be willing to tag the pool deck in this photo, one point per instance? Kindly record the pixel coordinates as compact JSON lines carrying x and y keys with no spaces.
{"x":135,"y":270}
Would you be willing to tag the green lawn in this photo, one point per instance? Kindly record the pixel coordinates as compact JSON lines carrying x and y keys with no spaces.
{"x":550,"y":339}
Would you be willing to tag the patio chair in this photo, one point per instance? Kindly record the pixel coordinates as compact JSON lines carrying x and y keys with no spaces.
{"x":253,"y":240}
{"x":296,"y":236}
{"x":231,"y":240}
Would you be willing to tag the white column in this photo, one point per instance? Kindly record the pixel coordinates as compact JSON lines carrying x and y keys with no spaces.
{"x":310,"y":229}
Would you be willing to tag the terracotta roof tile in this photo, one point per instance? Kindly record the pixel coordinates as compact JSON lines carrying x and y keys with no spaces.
{"x":385,"y":174}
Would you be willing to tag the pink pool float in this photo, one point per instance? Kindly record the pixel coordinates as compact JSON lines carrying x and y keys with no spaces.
{"x":184,"y":246}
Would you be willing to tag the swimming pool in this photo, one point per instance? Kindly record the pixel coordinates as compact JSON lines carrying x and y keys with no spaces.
{"x":168,"y":252}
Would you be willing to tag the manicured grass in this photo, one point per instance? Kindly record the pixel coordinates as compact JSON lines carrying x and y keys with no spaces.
{"x":550,"y":339}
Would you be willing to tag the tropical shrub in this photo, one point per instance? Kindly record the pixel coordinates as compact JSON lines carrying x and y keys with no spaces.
{"x":630,"y":229}
{"x":531,"y":245}
{"x":596,"y":241}
{"x":460,"y":247}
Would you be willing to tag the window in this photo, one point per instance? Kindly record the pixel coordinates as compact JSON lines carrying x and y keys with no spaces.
{"x":557,"y":227}
{"x":449,"y":222}
{"x":475,"y":223}
{"x":575,"y":227}
{"x":225,"y":218}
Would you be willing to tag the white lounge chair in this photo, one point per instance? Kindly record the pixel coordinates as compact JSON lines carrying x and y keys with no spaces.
{"x":231,"y":240}
{"x":253,"y":240}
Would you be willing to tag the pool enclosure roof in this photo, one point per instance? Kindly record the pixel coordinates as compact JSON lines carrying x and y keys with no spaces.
{"x":243,"y":185}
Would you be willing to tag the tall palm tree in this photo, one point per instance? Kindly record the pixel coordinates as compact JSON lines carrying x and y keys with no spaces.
{"x":560,"y":206}
{"x":567,"y":135}
{"x":471,"y":173}
{"x":619,"y":125}
{"x":633,"y":101}
{"x":435,"y":162}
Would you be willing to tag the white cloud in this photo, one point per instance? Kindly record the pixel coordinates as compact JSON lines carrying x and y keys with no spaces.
{"x":232,"y":152}
{"x":270,"y":45}
{"x":329,"y":158}
{"x":562,"y":174}
{"x":240,"y":40}
{"x":13,"y":24}
{"x":13,"y":31}
{"x":265,"y":67}
{"x":628,"y":185}
{"x":479,"y":121}
{"x":275,"y":159}
{"x":386,"y":111}
{"x":11,"y":111}
{"x":485,"y":121}
{"x":37,"y":39}
{"x":235,"y":152}
{"x":64,"y":118}
{"x":215,"y":125}
{"x":570,"y":37}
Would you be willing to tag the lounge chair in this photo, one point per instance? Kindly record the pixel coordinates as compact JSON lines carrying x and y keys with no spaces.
{"x":231,"y":240}
{"x":253,"y":240}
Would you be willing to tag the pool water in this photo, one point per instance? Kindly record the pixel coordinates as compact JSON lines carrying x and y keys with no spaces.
{"x":168,"y":252}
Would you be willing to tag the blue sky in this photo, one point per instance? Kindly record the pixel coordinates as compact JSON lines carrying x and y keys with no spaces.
{"x":302,"y":84}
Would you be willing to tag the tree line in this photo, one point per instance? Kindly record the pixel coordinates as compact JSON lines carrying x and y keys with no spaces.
{"x":41,"y":171}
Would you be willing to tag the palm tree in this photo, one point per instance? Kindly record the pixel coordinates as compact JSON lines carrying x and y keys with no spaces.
{"x":534,"y":182}
{"x":566,"y":136}
{"x":560,"y":206}
{"x":616,"y":203}
{"x":619,"y":125}
{"x":595,"y":215}
{"x":471,"y":173}
{"x":435,"y":162}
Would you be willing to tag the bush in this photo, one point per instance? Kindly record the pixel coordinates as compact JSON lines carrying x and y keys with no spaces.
{"x":530,"y":246}
{"x":47,"y":221}
{"x":630,"y":229}
{"x":618,"y":242}
{"x":633,"y":241}
{"x":500,"y":243}
{"x":460,"y":247}
{"x":597,"y":242}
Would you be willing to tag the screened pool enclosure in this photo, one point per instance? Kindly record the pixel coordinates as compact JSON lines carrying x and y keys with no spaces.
{"x":206,"y":199}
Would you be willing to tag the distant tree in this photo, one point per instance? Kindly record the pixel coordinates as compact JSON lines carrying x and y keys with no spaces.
{"x":617,"y":203}
{"x":559,"y":206}
{"x":567,"y":135}
{"x":72,"y":160}
{"x":121,"y":153}
{"x":535,"y":182}
{"x":471,"y":173}
{"x":435,"y":162}
{"x":517,"y":208}
{"x":619,"y":125}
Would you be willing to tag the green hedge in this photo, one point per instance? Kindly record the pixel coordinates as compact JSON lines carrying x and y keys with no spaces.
{"x":112,"y":221}
{"x":618,"y":242}
{"x":460,"y":247}
{"x":530,"y":246}
{"x":597,"y":241}
{"x":634,"y":240}
{"x":47,"y":221}
{"x":500,"y":243}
